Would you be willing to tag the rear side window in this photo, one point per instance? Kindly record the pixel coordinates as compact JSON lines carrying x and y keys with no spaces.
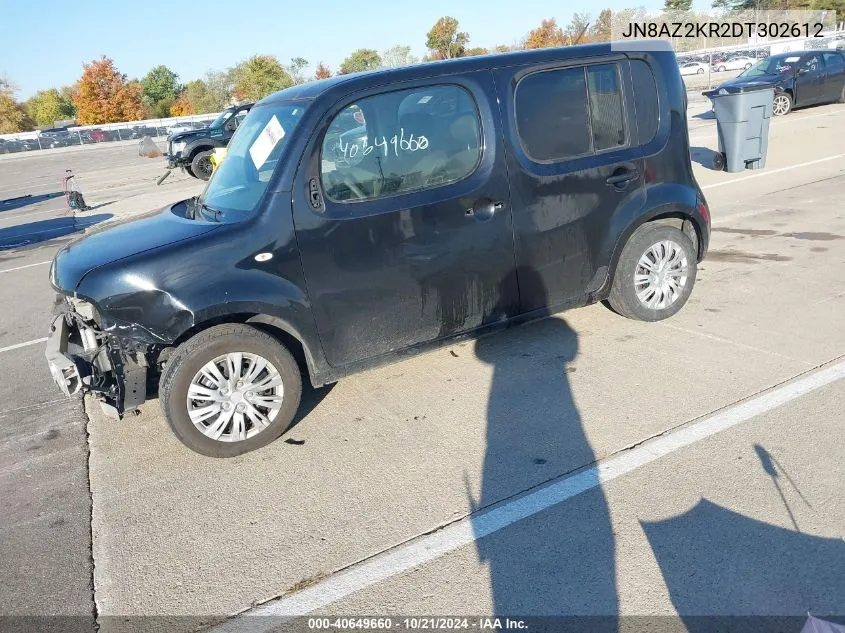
{"x":570,"y":112}
{"x":401,"y":141}
{"x":834,"y":61}
{"x":645,"y":100}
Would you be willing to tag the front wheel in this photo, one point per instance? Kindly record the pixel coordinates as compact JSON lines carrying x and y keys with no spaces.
{"x":201,"y":165}
{"x":700,"y":71}
{"x":782,"y":104}
{"x":655,"y":273}
{"x":229,"y":390}
{"x":721,"y":69}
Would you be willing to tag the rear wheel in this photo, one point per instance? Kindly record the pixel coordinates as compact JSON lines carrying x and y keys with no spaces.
{"x":782,"y":104}
{"x":700,"y":71}
{"x":229,"y":390}
{"x":655,"y":274}
{"x":721,"y":69}
{"x":201,"y":165}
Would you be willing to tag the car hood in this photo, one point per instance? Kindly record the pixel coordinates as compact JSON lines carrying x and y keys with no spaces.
{"x":189,"y":135}
{"x":107,"y":244}
{"x":761,"y":80}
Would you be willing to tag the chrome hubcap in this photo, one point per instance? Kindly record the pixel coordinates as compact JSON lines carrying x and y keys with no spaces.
{"x":661,"y":275}
{"x":780,"y":105}
{"x":235,"y":396}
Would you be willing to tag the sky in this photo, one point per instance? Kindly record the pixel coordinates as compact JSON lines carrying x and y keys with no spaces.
{"x":44,"y":44}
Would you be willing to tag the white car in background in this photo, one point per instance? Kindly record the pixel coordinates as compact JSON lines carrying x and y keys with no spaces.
{"x":735,"y":63}
{"x":693,"y":68}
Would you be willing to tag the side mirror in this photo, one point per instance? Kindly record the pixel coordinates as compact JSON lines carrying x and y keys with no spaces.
{"x":802,"y":71}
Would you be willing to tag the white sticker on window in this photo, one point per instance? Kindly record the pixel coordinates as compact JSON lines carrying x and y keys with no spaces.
{"x":425,"y":99}
{"x":270,"y":136}
{"x":791,"y":59}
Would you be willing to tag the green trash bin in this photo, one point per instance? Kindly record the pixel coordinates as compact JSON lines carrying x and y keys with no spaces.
{"x":742,"y":121}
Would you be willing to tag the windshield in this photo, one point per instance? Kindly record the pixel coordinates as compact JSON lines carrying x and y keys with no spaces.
{"x":772,"y":66}
{"x":239,"y":182}
{"x":221,"y":119}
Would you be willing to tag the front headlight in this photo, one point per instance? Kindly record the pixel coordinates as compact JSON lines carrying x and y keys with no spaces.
{"x":178,"y":147}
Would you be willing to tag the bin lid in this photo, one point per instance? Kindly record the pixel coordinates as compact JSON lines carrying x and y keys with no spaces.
{"x":733,"y":89}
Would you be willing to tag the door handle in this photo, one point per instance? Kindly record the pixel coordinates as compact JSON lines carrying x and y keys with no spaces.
{"x":621,"y":177}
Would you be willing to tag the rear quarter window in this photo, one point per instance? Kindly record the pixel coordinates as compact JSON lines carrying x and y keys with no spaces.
{"x":646,"y":102}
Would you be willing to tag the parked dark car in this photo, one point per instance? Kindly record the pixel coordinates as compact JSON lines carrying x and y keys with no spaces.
{"x":192,"y":149}
{"x":57,"y":137}
{"x":800,"y":78}
{"x":483,"y":192}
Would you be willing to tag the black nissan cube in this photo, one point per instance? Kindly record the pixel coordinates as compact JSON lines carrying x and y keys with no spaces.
{"x":364,"y":217}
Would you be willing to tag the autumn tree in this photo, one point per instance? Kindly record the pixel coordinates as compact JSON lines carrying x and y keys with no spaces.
{"x":322,"y":71}
{"x":677,"y":5}
{"x":208,"y":95}
{"x":47,"y":106}
{"x":478,"y":50}
{"x":104,"y":96}
{"x":601,"y":29}
{"x":577,"y":28}
{"x":297,"y":65}
{"x":546,"y":35}
{"x":160,"y":89}
{"x":182,"y":106}
{"x":397,"y":56}
{"x":362,"y":59}
{"x":259,"y":76}
{"x":13,"y":117}
{"x":445,"y":41}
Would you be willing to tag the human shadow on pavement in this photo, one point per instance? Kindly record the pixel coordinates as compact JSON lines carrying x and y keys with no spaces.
{"x":43,"y":230}
{"x":19,"y":202}
{"x":560,"y":561}
{"x":727,"y":572}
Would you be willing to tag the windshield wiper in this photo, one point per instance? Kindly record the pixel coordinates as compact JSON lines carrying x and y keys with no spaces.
{"x":212,"y":213}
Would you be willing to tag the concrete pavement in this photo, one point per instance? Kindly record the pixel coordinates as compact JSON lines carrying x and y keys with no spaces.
{"x":388,"y":456}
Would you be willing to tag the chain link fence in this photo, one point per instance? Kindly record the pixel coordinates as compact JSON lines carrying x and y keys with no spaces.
{"x":105,"y":133}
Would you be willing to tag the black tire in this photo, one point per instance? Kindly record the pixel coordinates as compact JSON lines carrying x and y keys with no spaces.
{"x":721,"y":69}
{"x":201,"y":165}
{"x":747,"y":66}
{"x":787,"y":100}
{"x":718,"y":161}
{"x":209,"y":344}
{"x":623,"y":296}
{"x":189,"y":171}
{"x":700,"y":71}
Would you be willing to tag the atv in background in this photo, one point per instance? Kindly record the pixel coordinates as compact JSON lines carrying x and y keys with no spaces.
{"x":192,"y":149}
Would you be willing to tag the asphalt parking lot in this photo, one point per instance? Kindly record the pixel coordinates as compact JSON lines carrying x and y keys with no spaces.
{"x":584,"y":465}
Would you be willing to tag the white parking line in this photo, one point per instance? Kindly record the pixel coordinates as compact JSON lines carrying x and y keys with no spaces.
{"x":8,"y":270}
{"x":19,"y":345}
{"x":769,"y":172}
{"x":427,"y":548}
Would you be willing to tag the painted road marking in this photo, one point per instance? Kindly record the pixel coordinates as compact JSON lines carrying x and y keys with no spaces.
{"x":773,"y":171}
{"x":19,"y":345}
{"x":464,"y":532}
{"x":9,"y":270}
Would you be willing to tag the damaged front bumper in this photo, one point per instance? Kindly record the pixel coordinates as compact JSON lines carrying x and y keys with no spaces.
{"x":84,"y":358}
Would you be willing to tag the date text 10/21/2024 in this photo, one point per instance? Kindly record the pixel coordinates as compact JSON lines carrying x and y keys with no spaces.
{"x":421,"y":623}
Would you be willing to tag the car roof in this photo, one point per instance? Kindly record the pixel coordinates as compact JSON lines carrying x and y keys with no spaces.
{"x":314,"y":89}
